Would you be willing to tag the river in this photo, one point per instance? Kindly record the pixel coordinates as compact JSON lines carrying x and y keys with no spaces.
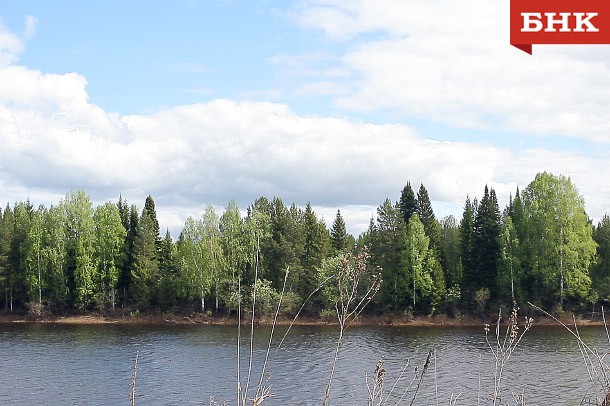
{"x":56,"y":364}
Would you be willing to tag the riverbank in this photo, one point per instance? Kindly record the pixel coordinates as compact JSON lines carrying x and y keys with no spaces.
{"x":207,"y":319}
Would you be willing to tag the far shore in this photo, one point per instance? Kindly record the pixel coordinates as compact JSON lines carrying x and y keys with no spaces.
{"x":207,"y":319}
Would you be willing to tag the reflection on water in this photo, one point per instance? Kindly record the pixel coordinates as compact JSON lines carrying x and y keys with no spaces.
{"x":186,"y":365}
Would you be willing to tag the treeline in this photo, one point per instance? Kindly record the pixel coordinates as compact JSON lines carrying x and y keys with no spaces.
{"x":541,"y":248}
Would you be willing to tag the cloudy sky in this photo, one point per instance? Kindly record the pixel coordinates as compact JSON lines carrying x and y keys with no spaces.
{"x":334,"y":102}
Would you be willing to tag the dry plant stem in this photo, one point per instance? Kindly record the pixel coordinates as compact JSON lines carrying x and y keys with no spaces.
{"x":348,"y":281}
{"x":259,"y":389}
{"x":132,"y":398}
{"x":406,"y":391}
{"x":332,"y":370}
{"x":479,"y":386}
{"x":421,"y":377}
{"x":591,"y":370}
{"x":435,"y":381}
{"x":376,"y":393}
{"x":453,"y":400}
{"x":239,"y":395}
{"x":251,"y":353}
{"x":404,"y":369}
{"x":504,"y":349}
{"x":320,"y":286}
{"x":603,"y":365}
{"x":605,"y":325}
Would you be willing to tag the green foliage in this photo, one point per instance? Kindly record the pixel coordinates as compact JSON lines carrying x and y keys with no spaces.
{"x":423,"y":274}
{"x":33,"y":253}
{"x":55,"y":256}
{"x":481,"y":297}
{"x":386,"y":238}
{"x":450,"y":251}
{"x":191,"y":260}
{"x":510,"y":271}
{"x":107,"y":254}
{"x":543,"y":249}
{"x":559,"y":243}
{"x":78,"y":212}
{"x":266,"y":297}
{"x":349,"y":283}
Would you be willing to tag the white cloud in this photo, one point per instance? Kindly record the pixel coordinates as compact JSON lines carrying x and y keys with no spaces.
{"x":55,"y":140}
{"x":30,"y":26}
{"x":10,"y":46}
{"x":451,"y":61}
{"x":191,"y":155}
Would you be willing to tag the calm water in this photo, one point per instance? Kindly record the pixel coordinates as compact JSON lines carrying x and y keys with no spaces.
{"x":187,"y":365}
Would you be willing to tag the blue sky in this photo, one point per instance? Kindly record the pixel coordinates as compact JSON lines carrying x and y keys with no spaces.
{"x":334,"y":102}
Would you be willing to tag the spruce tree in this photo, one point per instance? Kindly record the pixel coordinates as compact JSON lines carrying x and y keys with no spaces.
{"x":286,"y":245}
{"x":167,"y":289}
{"x":407,"y":203}
{"x":486,"y":243}
{"x":338,"y":235}
{"x":314,"y":252}
{"x":387,"y":245}
{"x":149,"y":209}
{"x":124,"y":283}
{"x":450,"y":251}
{"x":123,"y":211}
{"x":467,"y":252}
{"x":426,"y":215}
{"x":6,"y":237}
{"x":145,"y":271}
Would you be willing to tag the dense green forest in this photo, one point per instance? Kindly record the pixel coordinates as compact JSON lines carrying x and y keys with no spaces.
{"x":541,"y":248}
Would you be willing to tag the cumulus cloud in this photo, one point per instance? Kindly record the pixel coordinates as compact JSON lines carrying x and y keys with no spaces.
{"x":191,"y":155}
{"x":55,"y":140}
{"x":451,"y":61}
{"x":11,"y":46}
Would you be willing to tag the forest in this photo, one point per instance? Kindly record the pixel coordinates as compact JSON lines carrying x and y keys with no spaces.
{"x":75,"y":258}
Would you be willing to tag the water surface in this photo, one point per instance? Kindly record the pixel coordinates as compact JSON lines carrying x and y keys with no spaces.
{"x":47,"y":364}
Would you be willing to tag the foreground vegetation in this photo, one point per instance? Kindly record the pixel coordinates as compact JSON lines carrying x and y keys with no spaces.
{"x":541,"y":248}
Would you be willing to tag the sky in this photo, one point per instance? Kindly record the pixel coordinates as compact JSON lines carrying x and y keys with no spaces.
{"x":334,"y":102}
